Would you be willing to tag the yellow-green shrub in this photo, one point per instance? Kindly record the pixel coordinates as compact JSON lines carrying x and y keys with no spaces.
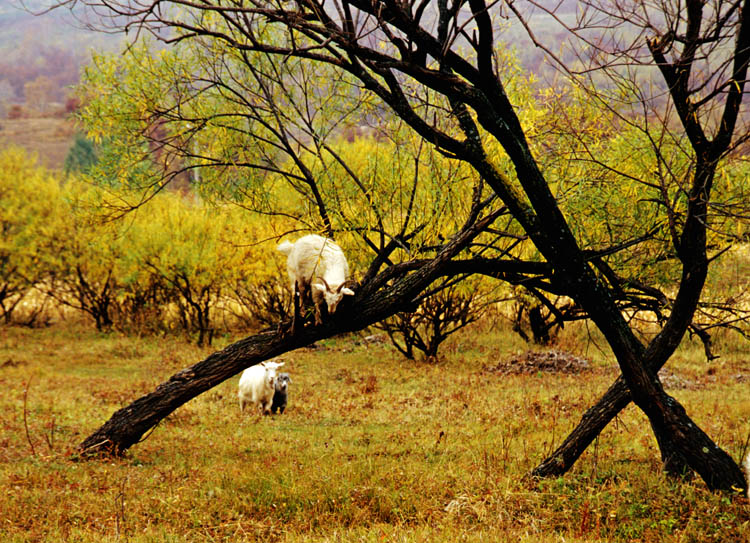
{"x":30,"y":209}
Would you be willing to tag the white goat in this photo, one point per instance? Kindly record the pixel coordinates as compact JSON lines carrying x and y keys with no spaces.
{"x":257,"y":385}
{"x":317,"y":263}
{"x":746,"y":465}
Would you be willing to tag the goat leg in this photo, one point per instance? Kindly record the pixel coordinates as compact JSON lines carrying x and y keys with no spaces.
{"x":296,"y":303}
{"x":318,"y":318}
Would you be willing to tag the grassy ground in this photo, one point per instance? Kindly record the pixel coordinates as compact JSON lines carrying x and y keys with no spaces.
{"x":372,"y":448}
{"x":49,"y":138}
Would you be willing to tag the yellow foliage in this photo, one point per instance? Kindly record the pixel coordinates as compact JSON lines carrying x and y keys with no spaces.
{"x":30,"y":209}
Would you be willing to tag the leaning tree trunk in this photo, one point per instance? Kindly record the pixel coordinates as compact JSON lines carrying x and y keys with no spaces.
{"x":685,"y":444}
{"x":128,"y":425}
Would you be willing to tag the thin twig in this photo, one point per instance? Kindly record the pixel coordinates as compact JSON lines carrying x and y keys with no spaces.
{"x":25,"y":421}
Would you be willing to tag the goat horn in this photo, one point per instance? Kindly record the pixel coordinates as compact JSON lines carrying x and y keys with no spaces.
{"x":328,"y":288}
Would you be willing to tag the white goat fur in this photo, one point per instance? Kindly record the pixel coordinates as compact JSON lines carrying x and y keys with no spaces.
{"x":317,"y":263}
{"x":257,"y":385}
{"x":746,"y":465}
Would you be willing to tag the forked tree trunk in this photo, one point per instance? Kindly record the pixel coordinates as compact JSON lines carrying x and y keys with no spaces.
{"x":685,"y":446}
{"x":592,"y":423}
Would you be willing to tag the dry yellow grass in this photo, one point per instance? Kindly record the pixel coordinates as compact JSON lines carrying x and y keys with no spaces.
{"x":372,"y":448}
{"x":48,"y":138}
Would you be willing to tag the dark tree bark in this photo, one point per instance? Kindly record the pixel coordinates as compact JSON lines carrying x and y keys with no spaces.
{"x":671,"y":427}
{"x":539,"y":328}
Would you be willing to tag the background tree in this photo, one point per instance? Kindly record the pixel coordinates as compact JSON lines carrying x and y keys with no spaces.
{"x":29,"y":210}
{"x":79,"y":257}
{"x":180,"y":246}
{"x":81,"y":156}
{"x":443,"y":310}
{"x":39,"y":93}
{"x":436,"y":67}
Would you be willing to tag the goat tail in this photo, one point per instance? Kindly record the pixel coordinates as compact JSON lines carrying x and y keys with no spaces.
{"x":285,"y":247}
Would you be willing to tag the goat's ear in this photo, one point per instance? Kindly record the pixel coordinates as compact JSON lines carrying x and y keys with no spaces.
{"x":318,"y":286}
{"x":347,"y":291}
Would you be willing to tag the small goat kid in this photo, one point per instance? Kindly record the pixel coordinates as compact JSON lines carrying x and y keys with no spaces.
{"x":318,"y":269}
{"x":281,"y":396}
{"x":257,"y":386}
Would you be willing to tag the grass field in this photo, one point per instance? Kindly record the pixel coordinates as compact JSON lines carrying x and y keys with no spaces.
{"x":48,"y":138}
{"x":372,"y":447}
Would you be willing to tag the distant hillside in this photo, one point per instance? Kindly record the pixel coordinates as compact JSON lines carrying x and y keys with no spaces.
{"x":40,"y":60}
{"x":46,"y":51}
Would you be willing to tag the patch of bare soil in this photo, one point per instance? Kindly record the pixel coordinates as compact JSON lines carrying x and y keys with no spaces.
{"x":10,"y":363}
{"x":672,"y":381}
{"x":547,"y":361}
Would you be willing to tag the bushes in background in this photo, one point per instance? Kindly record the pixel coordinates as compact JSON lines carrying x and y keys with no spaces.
{"x":171,"y":265}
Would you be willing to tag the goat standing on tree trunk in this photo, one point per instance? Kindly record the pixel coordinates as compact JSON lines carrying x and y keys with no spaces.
{"x":318,"y":269}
